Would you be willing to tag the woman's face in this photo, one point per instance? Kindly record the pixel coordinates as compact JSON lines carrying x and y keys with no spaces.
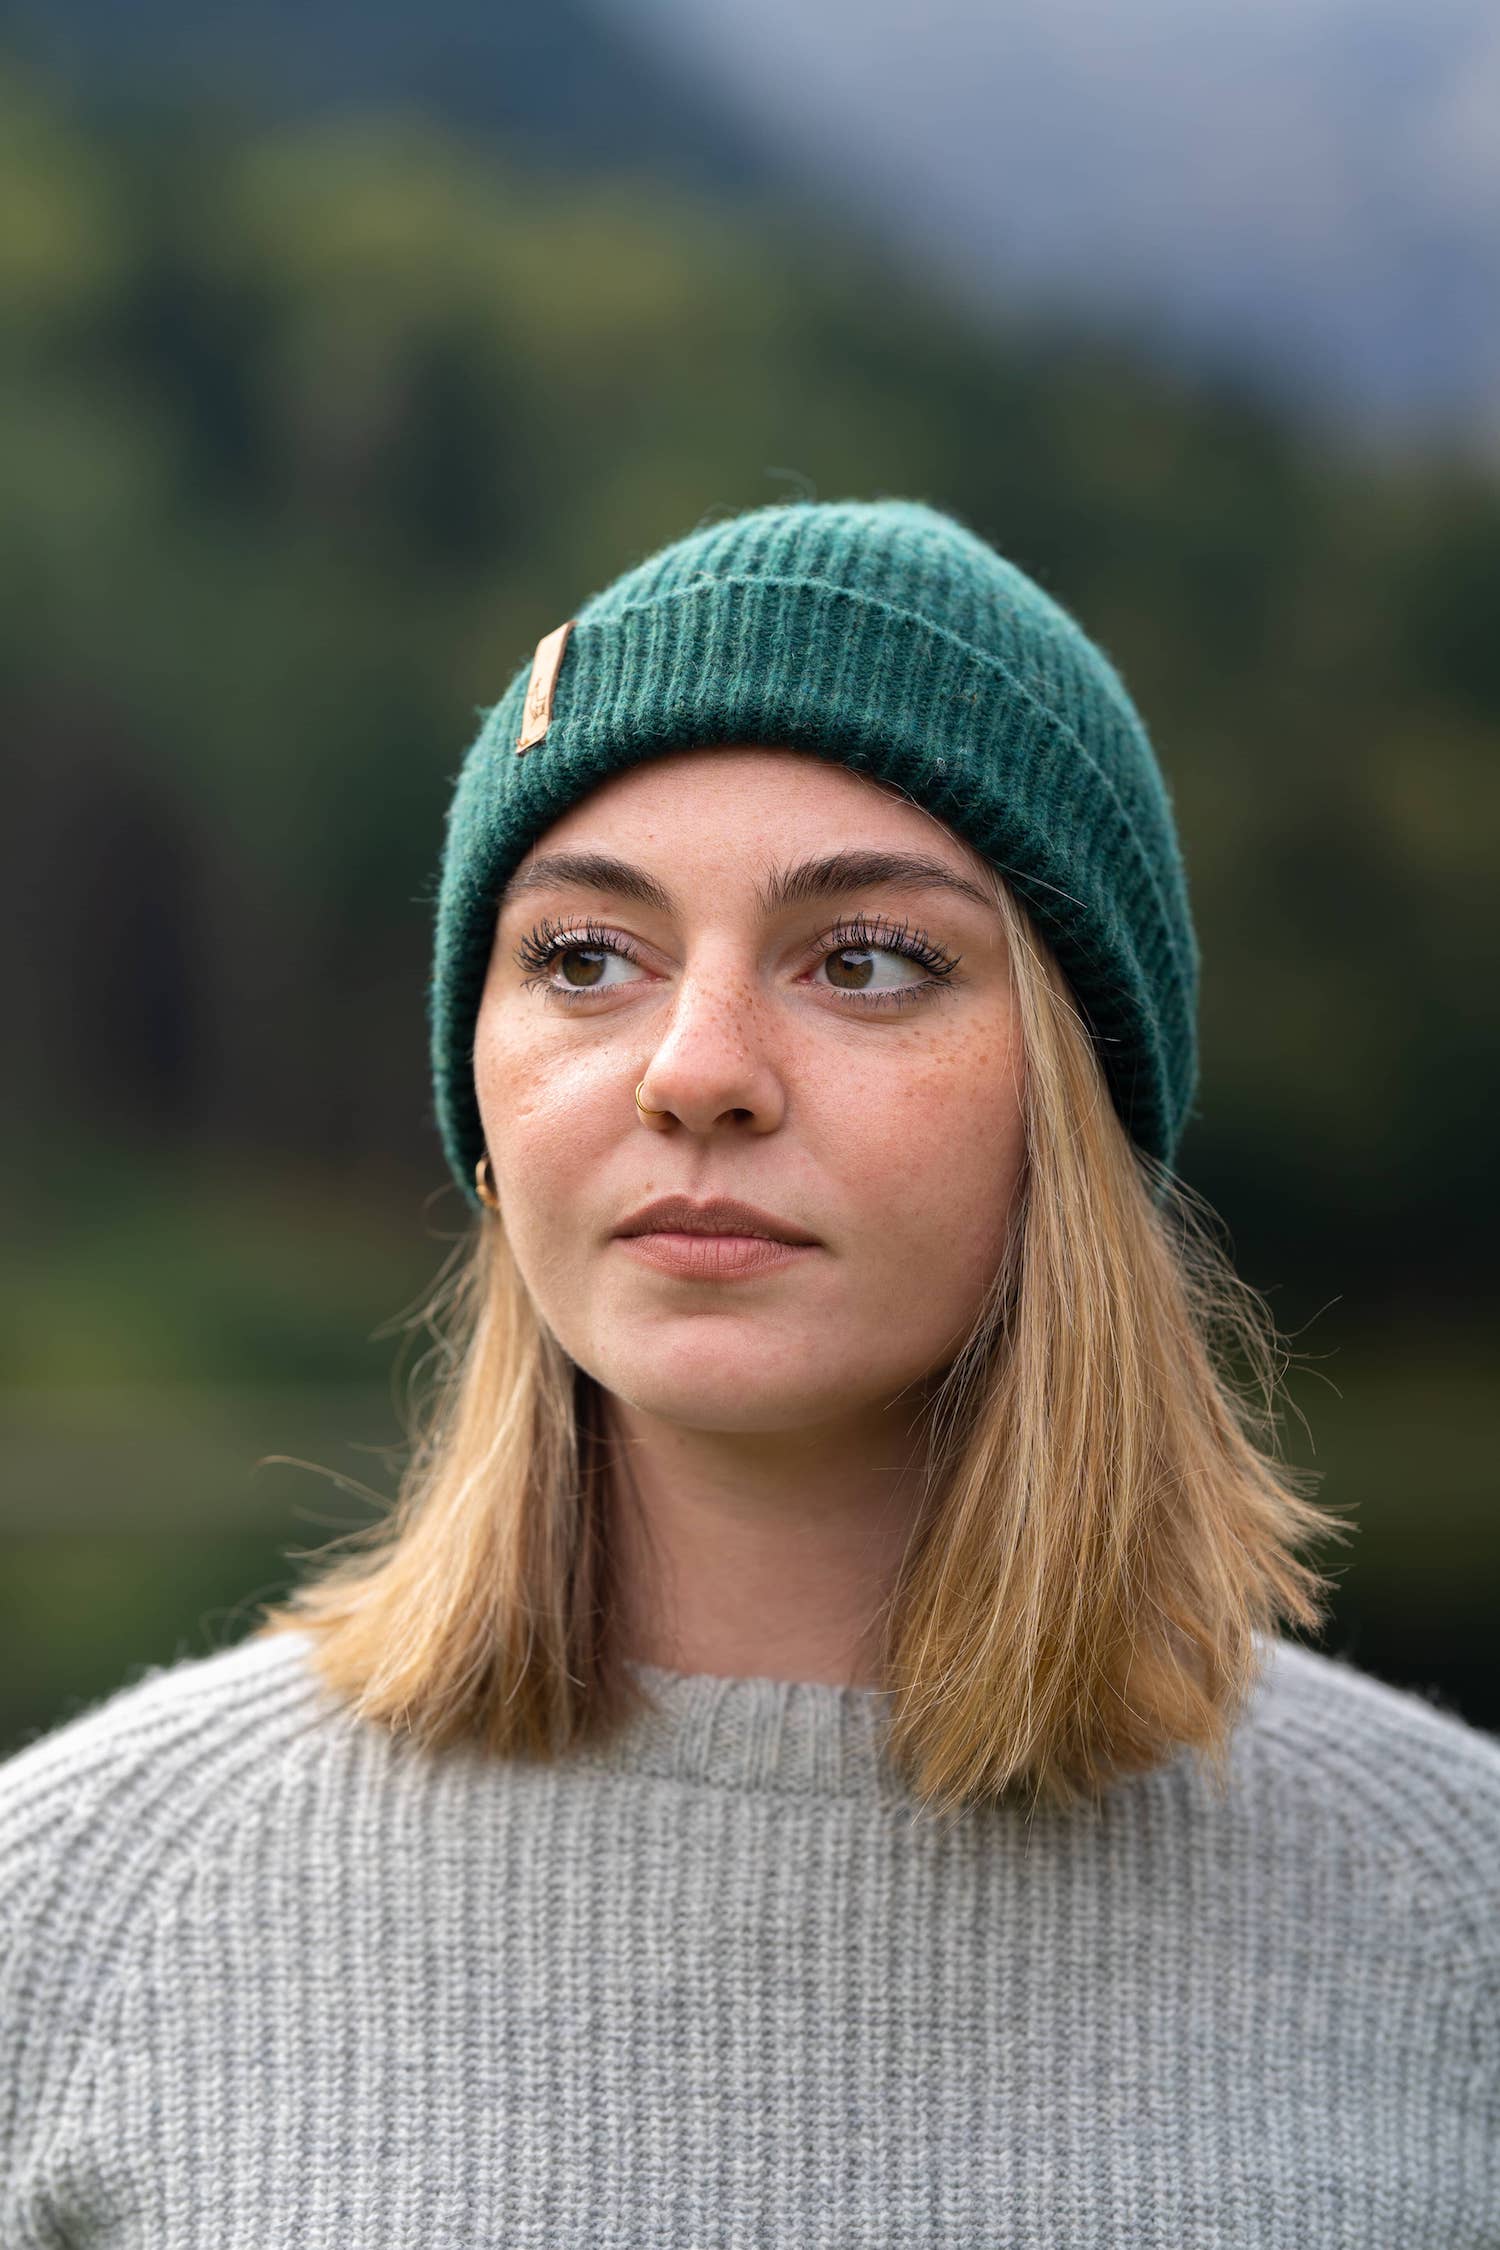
{"x":808,"y":1068}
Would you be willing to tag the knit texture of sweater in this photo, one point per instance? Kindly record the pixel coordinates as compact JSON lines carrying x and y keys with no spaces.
{"x":275,"y":1980}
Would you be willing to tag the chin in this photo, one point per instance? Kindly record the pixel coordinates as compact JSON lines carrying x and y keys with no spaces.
{"x":732,"y":1391}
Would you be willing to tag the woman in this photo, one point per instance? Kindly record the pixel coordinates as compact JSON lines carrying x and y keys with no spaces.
{"x":812,"y":1756}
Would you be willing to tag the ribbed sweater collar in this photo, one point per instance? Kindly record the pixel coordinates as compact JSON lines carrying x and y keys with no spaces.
{"x":780,"y":1737}
{"x":788,"y":1738}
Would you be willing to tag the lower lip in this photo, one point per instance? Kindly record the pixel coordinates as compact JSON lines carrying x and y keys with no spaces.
{"x":713,"y":1257}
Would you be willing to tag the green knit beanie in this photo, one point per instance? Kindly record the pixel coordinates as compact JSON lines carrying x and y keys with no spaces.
{"x":889,"y":636}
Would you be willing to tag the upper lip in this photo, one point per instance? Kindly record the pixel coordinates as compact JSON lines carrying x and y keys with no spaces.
{"x":721,"y":1214}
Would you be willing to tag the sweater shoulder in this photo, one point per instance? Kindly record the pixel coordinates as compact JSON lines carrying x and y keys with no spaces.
{"x":1412,"y":1783}
{"x":101,"y":1821}
{"x":92,"y":1808}
{"x":220,"y":1706}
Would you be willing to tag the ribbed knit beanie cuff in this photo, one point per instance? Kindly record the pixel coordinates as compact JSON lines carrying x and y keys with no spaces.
{"x":887,"y":635}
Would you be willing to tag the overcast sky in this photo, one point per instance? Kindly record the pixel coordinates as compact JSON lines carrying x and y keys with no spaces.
{"x":1316,"y":180}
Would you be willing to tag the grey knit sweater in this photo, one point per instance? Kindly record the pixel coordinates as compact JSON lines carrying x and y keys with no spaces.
{"x":272,"y":1981}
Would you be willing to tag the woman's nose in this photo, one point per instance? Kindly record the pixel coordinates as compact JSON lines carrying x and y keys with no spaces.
{"x":714,"y":1056}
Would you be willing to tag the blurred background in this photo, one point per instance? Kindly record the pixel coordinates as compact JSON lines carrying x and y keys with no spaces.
{"x":345,"y":349}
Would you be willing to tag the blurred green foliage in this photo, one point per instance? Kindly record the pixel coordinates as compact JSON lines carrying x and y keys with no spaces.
{"x":307,"y":434}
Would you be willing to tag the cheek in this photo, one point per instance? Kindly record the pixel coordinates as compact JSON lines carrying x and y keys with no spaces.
{"x":940,"y":1156}
{"x":554,"y":1123}
{"x":537,"y":1121}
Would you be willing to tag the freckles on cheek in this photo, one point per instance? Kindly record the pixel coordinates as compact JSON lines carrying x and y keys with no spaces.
{"x":953,"y":1114}
{"x":960,"y":1079}
{"x":512,"y":1068}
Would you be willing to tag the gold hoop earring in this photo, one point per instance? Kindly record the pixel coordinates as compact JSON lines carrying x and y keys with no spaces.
{"x":640,"y":1105}
{"x":484,"y":1185}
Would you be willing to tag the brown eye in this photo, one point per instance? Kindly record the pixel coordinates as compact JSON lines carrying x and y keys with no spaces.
{"x":548,"y":945}
{"x":571,"y":952}
{"x":853,"y":966}
{"x":860,"y":976}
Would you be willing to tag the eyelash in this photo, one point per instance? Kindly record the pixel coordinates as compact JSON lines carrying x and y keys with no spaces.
{"x":541,"y":946}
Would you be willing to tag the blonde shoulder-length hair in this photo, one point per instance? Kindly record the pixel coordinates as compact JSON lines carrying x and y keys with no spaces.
{"x":1104,"y":1525}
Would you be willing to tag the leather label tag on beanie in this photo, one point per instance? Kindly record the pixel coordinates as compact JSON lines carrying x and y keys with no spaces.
{"x":545,"y":666}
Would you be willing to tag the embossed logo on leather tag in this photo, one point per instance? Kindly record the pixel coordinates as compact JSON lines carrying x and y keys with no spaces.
{"x":545,"y":666}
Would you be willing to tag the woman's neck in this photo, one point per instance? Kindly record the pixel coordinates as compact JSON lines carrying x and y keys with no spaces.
{"x":763,"y":1555}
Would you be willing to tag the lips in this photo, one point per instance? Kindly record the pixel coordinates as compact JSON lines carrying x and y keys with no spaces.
{"x":718,"y":1215}
{"x":714,"y":1257}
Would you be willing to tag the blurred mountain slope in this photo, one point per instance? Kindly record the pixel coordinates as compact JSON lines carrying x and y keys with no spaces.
{"x":569,"y":85}
{"x":1309,"y":188}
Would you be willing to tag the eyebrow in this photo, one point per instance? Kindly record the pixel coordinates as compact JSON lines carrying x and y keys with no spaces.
{"x":827,"y":877}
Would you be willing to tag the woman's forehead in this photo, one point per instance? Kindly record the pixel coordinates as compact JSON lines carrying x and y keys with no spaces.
{"x":719,"y":795}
